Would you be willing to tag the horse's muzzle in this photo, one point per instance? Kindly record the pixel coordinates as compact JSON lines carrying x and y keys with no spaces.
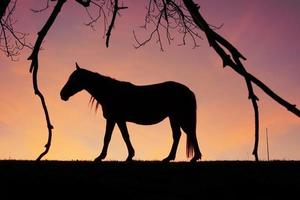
{"x":65,"y":98}
{"x":63,"y":95}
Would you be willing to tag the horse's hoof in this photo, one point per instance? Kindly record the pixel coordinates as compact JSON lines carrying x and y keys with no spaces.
{"x":98,"y":159}
{"x":129,"y":159}
{"x":195,"y":159}
{"x":167,"y":159}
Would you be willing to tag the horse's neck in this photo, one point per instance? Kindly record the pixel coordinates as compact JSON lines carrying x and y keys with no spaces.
{"x":97,"y":85}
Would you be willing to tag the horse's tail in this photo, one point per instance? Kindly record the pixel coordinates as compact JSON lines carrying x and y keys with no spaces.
{"x":189,"y":147}
{"x":190,"y":126}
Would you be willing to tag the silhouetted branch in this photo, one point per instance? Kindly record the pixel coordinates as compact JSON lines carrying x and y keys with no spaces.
{"x":11,"y":41}
{"x":105,"y":8}
{"x":85,"y":3}
{"x":218,"y":43}
{"x":94,"y":20}
{"x":3,"y":6}
{"x":116,"y":9}
{"x":149,"y":18}
{"x":168,"y":16}
{"x":34,"y":69}
{"x":42,"y":9}
{"x":290,"y":107}
{"x":101,"y":10}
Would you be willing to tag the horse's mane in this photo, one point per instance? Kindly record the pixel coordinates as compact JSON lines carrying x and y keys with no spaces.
{"x":108,"y":80}
{"x":92,"y":101}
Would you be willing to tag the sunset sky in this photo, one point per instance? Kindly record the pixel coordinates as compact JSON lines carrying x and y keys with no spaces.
{"x":266,"y":32}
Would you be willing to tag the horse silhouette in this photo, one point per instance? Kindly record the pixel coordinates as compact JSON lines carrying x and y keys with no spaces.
{"x":149,"y":104}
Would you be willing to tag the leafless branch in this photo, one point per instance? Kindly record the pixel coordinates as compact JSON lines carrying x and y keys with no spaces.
{"x":214,"y":27}
{"x":220,"y":44}
{"x":171,"y":17}
{"x":34,"y":69}
{"x":85,"y":3}
{"x":104,"y":8}
{"x":115,"y":11}
{"x":3,"y":7}
{"x":11,"y":40}
{"x":42,"y":9}
{"x":100,"y":13}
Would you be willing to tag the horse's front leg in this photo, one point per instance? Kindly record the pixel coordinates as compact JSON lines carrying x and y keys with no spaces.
{"x":125,"y":135}
{"x":110,"y":124}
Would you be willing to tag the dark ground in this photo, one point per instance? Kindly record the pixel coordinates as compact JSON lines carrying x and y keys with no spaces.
{"x":150,"y":180}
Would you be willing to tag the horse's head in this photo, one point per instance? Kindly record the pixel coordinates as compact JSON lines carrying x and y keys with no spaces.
{"x":75,"y":84}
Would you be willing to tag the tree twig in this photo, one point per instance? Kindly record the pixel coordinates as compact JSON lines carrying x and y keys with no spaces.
{"x":11,"y":41}
{"x":94,"y":19}
{"x":42,"y":9}
{"x":169,"y":16}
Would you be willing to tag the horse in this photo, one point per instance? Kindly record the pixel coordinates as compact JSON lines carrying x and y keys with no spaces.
{"x":123,"y":102}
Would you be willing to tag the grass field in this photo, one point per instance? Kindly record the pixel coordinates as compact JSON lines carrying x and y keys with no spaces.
{"x":152,"y":180}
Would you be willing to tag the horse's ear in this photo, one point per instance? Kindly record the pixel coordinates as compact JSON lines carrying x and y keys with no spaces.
{"x":77,"y":66}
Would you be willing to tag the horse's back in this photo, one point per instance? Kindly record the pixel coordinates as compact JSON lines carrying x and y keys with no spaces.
{"x":173,"y":91}
{"x":168,"y":96}
{"x":166,"y":88}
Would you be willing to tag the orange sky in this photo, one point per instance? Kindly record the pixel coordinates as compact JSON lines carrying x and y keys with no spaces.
{"x":266,"y":32}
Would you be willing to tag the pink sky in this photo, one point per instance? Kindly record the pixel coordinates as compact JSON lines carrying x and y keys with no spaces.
{"x":266,"y":32}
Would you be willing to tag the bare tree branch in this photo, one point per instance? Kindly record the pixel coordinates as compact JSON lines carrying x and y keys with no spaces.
{"x":34,"y":69}
{"x":94,"y":20}
{"x":11,"y":41}
{"x":100,"y":13}
{"x":101,"y":10}
{"x":19,"y":37}
{"x":217,"y":42}
{"x":42,"y":9}
{"x":116,"y":9}
{"x":3,"y":6}
{"x":85,"y":3}
{"x":105,"y":8}
{"x":169,"y":16}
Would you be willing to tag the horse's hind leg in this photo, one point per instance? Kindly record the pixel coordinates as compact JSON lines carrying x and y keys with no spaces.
{"x":125,"y":135}
{"x":198,"y":154}
{"x":176,"y":136}
{"x":189,"y":128}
